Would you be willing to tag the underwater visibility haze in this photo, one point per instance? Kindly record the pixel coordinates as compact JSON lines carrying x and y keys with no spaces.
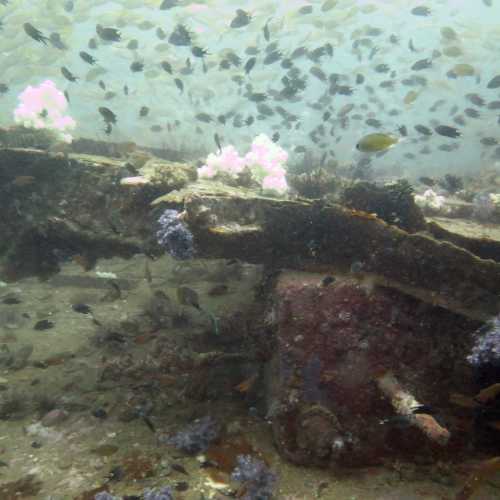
{"x":249,"y":249}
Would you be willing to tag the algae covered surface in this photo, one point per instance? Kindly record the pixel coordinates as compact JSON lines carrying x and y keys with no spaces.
{"x":67,"y":411}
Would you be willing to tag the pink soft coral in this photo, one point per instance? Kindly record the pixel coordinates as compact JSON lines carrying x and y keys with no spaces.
{"x":227,"y":160}
{"x":44,"y":107}
{"x":265,"y":160}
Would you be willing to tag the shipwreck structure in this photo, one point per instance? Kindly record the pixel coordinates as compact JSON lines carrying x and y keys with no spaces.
{"x":367,"y":325}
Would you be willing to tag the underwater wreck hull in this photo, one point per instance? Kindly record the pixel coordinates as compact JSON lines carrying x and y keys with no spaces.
{"x":305,"y":235}
{"x":350,"y":359}
{"x":57,"y":206}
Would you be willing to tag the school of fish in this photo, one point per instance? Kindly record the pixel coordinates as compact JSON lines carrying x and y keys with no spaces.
{"x":330,"y":80}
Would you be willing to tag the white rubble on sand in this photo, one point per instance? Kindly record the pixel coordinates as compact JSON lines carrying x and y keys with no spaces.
{"x":41,"y":432}
{"x":431,"y":202}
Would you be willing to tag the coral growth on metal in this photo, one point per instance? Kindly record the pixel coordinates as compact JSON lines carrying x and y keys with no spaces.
{"x":334,"y":344}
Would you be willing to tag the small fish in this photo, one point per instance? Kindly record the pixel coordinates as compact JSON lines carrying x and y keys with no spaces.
{"x":318,"y":73}
{"x":447,"y":131}
{"x":247,"y":384}
{"x":133,"y":44}
{"x":472,"y":113}
{"x":257,"y":97}
{"x":199,"y":52}
{"x":373,"y":122}
{"x":422,"y":64}
{"x":44,"y":324}
{"x":217,"y":141}
{"x":218,"y":290}
{"x":180,"y":37}
{"x":160,"y":33}
{"x":144,"y":111}
{"x":305,"y":10}
{"x":108,"y":115}
{"x":149,"y":423}
{"x":181,"y":486}
{"x":265,"y":30}
{"x":136,"y":67}
{"x":403,"y":130}
{"x":399,"y":421}
{"x":56,"y":41}
{"x":34,"y":33}
{"x":411,"y":97}
{"x":92,"y":44}
{"x":249,"y":65}
{"x":188,"y":297}
{"x":204,"y":117}
{"x":421,"y":10}
{"x":241,"y":19}
{"x":422,"y":129}
{"x":488,"y":393}
{"x":275,"y":137}
{"x":68,"y":75}
{"x":4,"y":88}
{"x":327,"y":281}
{"x":344,"y":90}
{"x":179,"y":85}
{"x":179,"y":468}
{"x":494,"y":83}
{"x":272,"y":57}
{"x":81,"y":308}
{"x":168,"y":4}
{"x":427,"y":181}
{"x":489,"y":141}
{"x":87,"y":58}
{"x":125,"y":89}
{"x":423,"y":409}
{"x":108,"y":34}
{"x":11,"y":300}
{"x":382,"y":68}
{"x":475,"y":99}
{"x":448,"y":147}
{"x":166,"y":66}
{"x":299,"y":52}
{"x":374,"y":143}
{"x":463,"y":70}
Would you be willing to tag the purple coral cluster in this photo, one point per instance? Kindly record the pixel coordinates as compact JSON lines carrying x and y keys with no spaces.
{"x":159,"y":494}
{"x":104,"y":495}
{"x":164,"y":493}
{"x":197,"y":436}
{"x":256,"y":477}
{"x":483,"y":206}
{"x":174,"y":236}
{"x":486,"y":349}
